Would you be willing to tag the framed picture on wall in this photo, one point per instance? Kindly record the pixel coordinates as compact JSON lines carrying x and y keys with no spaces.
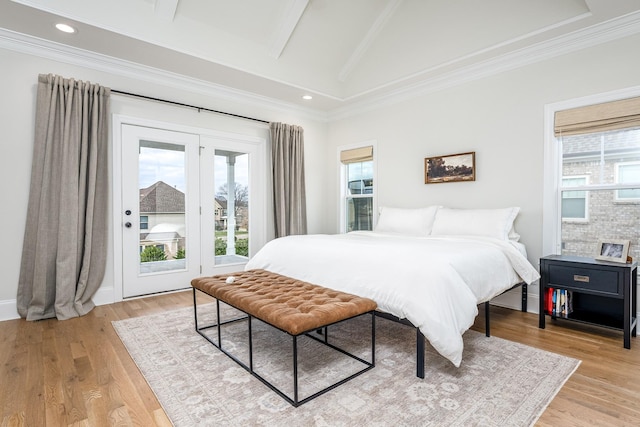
{"x":450,"y":168}
{"x":613,"y":250}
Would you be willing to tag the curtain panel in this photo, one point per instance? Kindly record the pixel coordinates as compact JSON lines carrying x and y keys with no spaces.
{"x":287,"y":161}
{"x":65,"y":240}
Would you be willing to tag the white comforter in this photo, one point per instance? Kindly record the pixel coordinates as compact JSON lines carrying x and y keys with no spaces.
{"x":434,"y":282}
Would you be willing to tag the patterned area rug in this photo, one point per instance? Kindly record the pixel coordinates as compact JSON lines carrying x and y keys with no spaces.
{"x":499,"y":382}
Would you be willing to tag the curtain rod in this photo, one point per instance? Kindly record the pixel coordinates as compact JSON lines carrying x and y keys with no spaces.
{"x":150,"y":98}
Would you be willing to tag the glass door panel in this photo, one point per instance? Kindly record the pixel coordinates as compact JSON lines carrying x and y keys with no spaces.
{"x":162,"y":181}
{"x":231,"y":186}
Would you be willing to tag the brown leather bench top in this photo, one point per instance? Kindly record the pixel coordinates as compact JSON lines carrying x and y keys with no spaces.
{"x":288,"y":304}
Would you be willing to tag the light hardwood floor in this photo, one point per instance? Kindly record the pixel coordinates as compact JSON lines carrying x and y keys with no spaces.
{"x":77,"y":372}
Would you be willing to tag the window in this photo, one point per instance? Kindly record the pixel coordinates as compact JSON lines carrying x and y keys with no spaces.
{"x":590,"y":208}
{"x":592,"y":183}
{"x":628,"y":173}
{"x":574,"y":202}
{"x":357,"y":188}
{"x":144,"y":222}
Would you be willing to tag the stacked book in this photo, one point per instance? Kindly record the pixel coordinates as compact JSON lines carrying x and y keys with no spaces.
{"x":559,"y":302}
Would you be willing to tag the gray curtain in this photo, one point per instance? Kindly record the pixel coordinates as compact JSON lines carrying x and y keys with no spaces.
{"x":287,"y":159}
{"x":65,"y":241}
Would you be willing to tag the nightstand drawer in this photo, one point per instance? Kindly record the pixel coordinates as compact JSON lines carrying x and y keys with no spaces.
{"x":605,"y":281}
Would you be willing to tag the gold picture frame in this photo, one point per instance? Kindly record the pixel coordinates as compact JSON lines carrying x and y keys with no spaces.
{"x":450,"y":168}
{"x":613,"y":250}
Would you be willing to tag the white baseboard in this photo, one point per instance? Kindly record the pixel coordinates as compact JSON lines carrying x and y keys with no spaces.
{"x":104,"y":296}
{"x":9,"y":309}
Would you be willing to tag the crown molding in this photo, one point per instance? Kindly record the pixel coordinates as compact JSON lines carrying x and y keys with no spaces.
{"x":595,"y":35}
{"x":35,"y":46}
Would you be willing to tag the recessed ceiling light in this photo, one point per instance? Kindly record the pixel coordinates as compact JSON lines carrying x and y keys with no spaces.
{"x":65,"y":28}
{"x":307,"y":97}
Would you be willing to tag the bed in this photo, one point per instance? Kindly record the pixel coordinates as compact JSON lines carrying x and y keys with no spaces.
{"x":429,"y":267}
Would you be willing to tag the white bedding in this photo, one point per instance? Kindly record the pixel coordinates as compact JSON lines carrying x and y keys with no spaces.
{"x":434,"y":282}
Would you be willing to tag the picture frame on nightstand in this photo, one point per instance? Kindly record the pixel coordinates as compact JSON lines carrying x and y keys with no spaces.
{"x":613,"y":250}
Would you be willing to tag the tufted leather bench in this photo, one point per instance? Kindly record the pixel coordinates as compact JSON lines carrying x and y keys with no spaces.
{"x":293,"y":306}
{"x":288,"y":304}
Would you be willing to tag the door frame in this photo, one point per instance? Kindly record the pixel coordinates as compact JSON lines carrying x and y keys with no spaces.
{"x":259,"y":183}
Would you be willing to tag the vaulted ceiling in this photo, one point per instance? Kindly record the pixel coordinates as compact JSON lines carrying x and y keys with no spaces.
{"x":342,"y":52}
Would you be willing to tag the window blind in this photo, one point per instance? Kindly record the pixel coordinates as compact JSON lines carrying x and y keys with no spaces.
{"x":360,"y":154}
{"x":615,"y":115}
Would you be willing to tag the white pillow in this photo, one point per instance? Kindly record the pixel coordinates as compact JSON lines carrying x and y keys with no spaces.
{"x":412,"y":222}
{"x":513,"y":234}
{"x":495,"y":223}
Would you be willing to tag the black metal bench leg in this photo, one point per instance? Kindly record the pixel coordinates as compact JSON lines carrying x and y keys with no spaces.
{"x":250,"y":346}
{"x":295,"y":370}
{"x":419,"y":354}
{"x":487,"y":311}
{"x":524,"y":297}
{"x":195,"y":309}
{"x":219,"y":327}
{"x":373,"y":338}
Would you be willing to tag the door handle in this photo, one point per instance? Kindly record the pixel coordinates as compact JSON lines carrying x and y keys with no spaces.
{"x":127,"y":224}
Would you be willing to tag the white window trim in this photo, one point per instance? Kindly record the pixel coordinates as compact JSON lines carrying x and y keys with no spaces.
{"x":551,"y":212}
{"x":616,"y":169}
{"x":343,"y":178}
{"x":586,"y":198}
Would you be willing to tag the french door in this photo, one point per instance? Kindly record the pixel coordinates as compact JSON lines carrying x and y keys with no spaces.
{"x":161,"y":221}
{"x":192,"y":205}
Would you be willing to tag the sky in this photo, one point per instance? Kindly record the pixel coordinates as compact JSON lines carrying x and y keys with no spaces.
{"x":169,"y":166}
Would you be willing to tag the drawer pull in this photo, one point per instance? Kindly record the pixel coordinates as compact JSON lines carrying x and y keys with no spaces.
{"x":578,"y":278}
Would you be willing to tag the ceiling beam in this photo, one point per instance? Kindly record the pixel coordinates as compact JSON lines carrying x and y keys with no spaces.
{"x":165,"y":10}
{"x":291,"y":18}
{"x":369,"y":38}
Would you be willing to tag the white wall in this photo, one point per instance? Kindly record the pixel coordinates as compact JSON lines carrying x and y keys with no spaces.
{"x":20,"y":72}
{"x":500,"y":118}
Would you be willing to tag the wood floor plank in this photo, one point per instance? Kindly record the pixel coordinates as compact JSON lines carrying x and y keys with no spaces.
{"x":77,"y":372}
{"x":161,"y":419}
{"x":98,"y":338}
{"x":14,"y":420}
{"x":75,"y":409}
{"x":55,"y":411}
{"x":35,"y":408}
{"x":14,"y":382}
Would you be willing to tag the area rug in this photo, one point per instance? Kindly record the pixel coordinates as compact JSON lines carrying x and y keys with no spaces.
{"x":499,"y":382}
